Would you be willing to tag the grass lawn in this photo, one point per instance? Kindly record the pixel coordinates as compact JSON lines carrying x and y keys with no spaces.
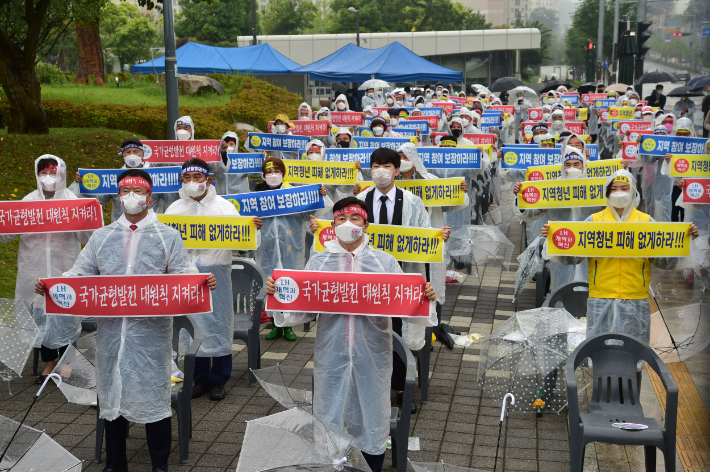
{"x":133,"y":93}
{"x":89,"y":148}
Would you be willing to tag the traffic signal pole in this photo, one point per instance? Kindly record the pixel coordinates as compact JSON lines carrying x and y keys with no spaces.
{"x":600,"y":40}
{"x":641,"y":37}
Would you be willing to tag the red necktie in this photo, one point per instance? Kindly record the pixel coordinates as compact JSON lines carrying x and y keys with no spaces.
{"x":133,"y":227}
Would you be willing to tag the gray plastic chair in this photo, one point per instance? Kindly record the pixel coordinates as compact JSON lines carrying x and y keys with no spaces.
{"x":615,"y":398}
{"x":573,"y":296}
{"x":181,"y":395}
{"x":248,"y":298}
{"x":399,"y":425}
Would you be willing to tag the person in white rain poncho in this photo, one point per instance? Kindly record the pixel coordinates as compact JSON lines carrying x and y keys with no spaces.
{"x":132,"y":153}
{"x":456,"y":130}
{"x":468,"y":118}
{"x":657,"y":188}
{"x":573,"y":166}
{"x":283,"y":237}
{"x":368,"y":100}
{"x":198,"y":197}
{"x":352,"y":355}
{"x":305,"y":112}
{"x":48,"y":255}
{"x":133,"y":354}
{"x":558,"y":122}
{"x":282,"y":125}
{"x":618,"y":286}
{"x":341,"y":103}
{"x":230,"y":184}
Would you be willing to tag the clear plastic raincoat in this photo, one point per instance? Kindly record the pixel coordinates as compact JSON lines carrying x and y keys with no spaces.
{"x":230,"y":184}
{"x":353,"y":354}
{"x":217,"y":327}
{"x":48,"y":255}
{"x":133,"y":354}
{"x":657,"y":187}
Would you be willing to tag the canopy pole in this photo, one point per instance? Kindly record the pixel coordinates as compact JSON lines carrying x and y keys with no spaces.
{"x":171,"y":70}
{"x":517,"y":64}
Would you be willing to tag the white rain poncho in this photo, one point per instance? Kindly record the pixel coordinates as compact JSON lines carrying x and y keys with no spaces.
{"x":304,"y":106}
{"x":367,"y":101}
{"x":562,"y":274}
{"x":562,"y":128}
{"x":680,"y":105}
{"x":619,"y":315}
{"x":352,"y":359}
{"x":133,"y":354}
{"x":185,"y":120}
{"x":471,"y":128}
{"x":657,"y":187}
{"x":217,"y":327}
{"x":230,"y":184}
{"x":436,"y":218}
{"x":343,"y":98}
{"x":48,"y":255}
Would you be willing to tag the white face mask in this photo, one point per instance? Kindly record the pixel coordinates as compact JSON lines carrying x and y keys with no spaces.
{"x":573,"y":173}
{"x":316,"y":156}
{"x":394,"y":122}
{"x":48,"y":182}
{"x":400,"y":103}
{"x":132,"y":160}
{"x":633,"y":102}
{"x":303,"y":117}
{"x":637,"y":115}
{"x":371,"y":95}
{"x":551,"y":101}
{"x":279,"y":129}
{"x":378,"y":130}
{"x":390,"y":101}
{"x":557,"y":124}
{"x":341,"y":106}
{"x":195,"y":189}
{"x":133,"y":203}
{"x":405,"y":166}
{"x":348,"y":232}
{"x":545,"y":116}
{"x":274,"y":180}
{"x":620,"y":199}
{"x":647,"y":117}
{"x":428,"y":94}
{"x":183,"y":135}
{"x":231,"y":150}
{"x":382,"y":177}
{"x":465,"y":122}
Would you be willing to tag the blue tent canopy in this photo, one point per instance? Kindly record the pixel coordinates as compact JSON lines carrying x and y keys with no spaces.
{"x":392,"y":63}
{"x":195,"y":58}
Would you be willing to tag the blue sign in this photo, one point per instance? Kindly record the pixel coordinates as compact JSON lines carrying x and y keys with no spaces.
{"x":406,"y":132}
{"x":103,"y":181}
{"x":572,"y":99}
{"x":657,"y":145}
{"x":284,"y":201}
{"x":593,"y":151}
{"x":605,"y":103}
{"x":422,"y":125}
{"x":392,"y":143}
{"x":490,"y":119}
{"x":277,"y":142}
{"x":350,"y":155}
{"x":524,"y":158}
{"x":450,"y":158}
{"x":706,"y":31}
{"x":245,"y":162}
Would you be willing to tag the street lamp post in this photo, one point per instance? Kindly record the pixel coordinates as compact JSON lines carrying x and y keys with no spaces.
{"x":357,"y":23}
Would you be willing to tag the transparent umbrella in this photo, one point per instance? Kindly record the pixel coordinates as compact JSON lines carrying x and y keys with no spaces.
{"x":374,"y":84}
{"x":288,"y":385}
{"x":523,"y":355}
{"x":77,"y":369}
{"x":528,"y":92}
{"x":482,"y":245}
{"x":528,"y":260}
{"x":301,"y":441}
{"x":680,"y":332}
{"x":18,"y":334}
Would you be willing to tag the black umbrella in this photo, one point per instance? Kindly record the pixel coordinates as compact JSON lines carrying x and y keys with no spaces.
{"x":504,"y":84}
{"x":655,"y":77}
{"x":589,"y":87}
{"x":338,"y":87}
{"x":684,"y":90}
{"x":698,"y":83}
{"x":552,"y":85}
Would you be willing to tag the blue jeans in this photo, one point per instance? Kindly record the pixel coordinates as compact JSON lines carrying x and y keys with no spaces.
{"x":220,"y":371}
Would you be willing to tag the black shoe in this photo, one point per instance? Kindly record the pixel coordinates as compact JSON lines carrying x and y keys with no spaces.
{"x":217,"y":392}
{"x":123,"y":468}
{"x":400,"y":399}
{"x":201,"y":387}
{"x":40,"y":379}
{"x":161,"y":469}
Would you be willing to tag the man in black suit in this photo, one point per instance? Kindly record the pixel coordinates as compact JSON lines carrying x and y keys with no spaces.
{"x":657,"y":99}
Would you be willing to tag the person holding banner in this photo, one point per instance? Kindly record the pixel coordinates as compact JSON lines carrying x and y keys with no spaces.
{"x":368,"y":100}
{"x":134,"y":354}
{"x":468,"y":118}
{"x":198,"y":197}
{"x":657,"y":187}
{"x":48,"y":255}
{"x":305,"y":112}
{"x":573,"y":166}
{"x":282,"y":125}
{"x":227,"y":183}
{"x":283,"y":237}
{"x":367,"y":112}
{"x":456,"y":130}
{"x":378,"y":126}
{"x":558,"y":121}
{"x":619,"y":286}
{"x":343,"y":138}
{"x":353,"y":354}
{"x":184,"y":129}
{"x":132,"y":153}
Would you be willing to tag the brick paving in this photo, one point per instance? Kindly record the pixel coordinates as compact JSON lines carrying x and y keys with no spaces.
{"x":458,"y":425}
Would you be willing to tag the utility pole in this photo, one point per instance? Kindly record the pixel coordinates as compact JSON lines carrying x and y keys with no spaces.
{"x":171,"y":70}
{"x":253,"y":22}
{"x":615,"y":50}
{"x":641,"y":37}
{"x":600,"y":40}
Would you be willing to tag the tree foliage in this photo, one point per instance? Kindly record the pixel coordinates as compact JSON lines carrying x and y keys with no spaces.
{"x":323,"y":17}
{"x":585,"y":22}
{"x":288,"y":16}
{"x":127,"y":33}
{"x":214,"y":21}
{"x":532,"y":58}
{"x":547,"y":17}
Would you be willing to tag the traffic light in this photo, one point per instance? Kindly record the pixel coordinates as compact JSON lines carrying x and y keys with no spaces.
{"x":642,"y":37}
{"x":591,"y":57}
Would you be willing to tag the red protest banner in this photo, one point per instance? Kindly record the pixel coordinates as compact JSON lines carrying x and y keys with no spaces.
{"x":475,"y":138}
{"x":509,"y":109}
{"x":535,"y":114}
{"x":432,"y":119}
{"x":570,"y":114}
{"x":446,"y":106}
{"x":459,"y":100}
{"x":346,"y":118}
{"x":629,"y":150}
{"x":308,"y":127}
{"x":575,"y":127}
{"x":128,"y":295}
{"x":173,"y":151}
{"x":696,"y":190}
{"x":354,"y":293}
{"x":633,"y":125}
{"x":50,"y":216}
{"x":590,"y":97}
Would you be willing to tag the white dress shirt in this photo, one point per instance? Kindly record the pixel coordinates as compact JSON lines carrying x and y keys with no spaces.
{"x":376,"y":204}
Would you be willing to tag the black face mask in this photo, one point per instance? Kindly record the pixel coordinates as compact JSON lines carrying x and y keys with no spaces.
{"x":456,"y":132}
{"x":344,"y":144}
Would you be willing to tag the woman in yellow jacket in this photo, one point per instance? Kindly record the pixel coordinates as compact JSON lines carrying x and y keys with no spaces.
{"x":618,"y":286}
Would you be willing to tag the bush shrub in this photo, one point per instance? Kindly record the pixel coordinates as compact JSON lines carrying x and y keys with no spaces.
{"x":50,"y":74}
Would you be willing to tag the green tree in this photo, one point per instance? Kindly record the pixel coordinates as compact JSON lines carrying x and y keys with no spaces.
{"x":475,"y":20}
{"x":376,"y":16}
{"x":547,"y":16}
{"x":214,"y":21}
{"x":323,"y":17}
{"x":288,"y":16}
{"x":585,"y":22}
{"x":88,"y":40}
{"x":126,"y":33}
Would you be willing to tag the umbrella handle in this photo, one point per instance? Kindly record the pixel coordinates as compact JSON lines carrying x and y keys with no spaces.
{"x":505,"y":400}
{"x":49,"y":376}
